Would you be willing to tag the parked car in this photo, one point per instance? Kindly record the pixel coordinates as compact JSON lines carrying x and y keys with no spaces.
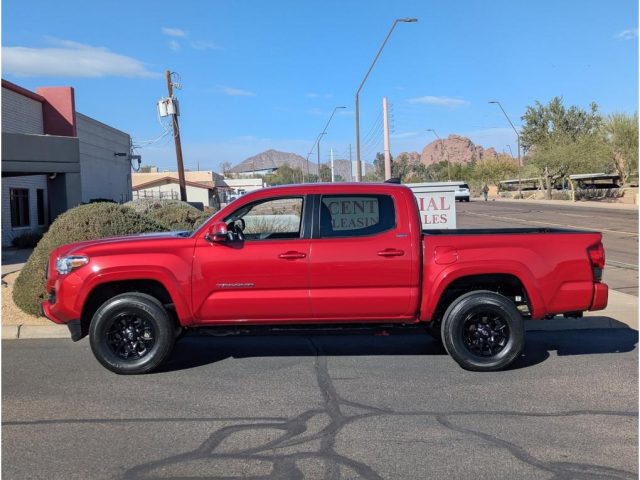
{"x":318,"y":255}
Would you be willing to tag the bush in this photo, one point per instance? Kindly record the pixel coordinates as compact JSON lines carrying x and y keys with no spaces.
{"x":86,"y":222}
{"x":174,"y":214}
{"x":27,"y":240}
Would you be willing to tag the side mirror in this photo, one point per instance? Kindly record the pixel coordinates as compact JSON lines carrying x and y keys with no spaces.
{"x":217,"y":233}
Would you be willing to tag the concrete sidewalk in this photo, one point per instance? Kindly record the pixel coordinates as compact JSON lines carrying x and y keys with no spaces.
{"x":568,"y":203}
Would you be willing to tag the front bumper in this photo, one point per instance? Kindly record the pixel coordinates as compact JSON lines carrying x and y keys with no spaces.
{"x":74,"y":326}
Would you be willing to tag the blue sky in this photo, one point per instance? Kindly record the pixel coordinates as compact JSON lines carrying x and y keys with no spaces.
{"x":267,"y":74}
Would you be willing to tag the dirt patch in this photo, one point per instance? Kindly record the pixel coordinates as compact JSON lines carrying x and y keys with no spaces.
{"x":11,"y":314}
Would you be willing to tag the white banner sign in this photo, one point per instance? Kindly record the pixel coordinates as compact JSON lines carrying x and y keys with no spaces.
{"x":437,"y":208}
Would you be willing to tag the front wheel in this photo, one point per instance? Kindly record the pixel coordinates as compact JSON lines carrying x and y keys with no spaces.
{"x":131,"y":333}
{"x":483,"y":331}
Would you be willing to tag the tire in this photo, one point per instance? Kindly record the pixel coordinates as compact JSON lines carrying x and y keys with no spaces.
{"x":131,"y":333}
{"x":483,"y":331}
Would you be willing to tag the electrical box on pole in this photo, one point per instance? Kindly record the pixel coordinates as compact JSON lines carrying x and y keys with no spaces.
{"x":168,"y":106}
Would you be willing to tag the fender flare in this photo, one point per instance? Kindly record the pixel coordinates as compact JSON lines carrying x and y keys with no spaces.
{"x":457,"y":271}
{"x":139,"y":273}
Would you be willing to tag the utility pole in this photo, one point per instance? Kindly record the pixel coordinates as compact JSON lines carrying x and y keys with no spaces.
{"x":176,"y":137}
{"x":387,"y":152}
{"x":333,"y":176}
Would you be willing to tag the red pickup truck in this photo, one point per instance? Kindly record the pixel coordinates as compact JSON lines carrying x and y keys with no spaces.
{"x":320,"y":254}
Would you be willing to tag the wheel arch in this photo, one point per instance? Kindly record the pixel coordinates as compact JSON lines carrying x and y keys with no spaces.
{"x":102,"y":292}
{"x":506,"y":284}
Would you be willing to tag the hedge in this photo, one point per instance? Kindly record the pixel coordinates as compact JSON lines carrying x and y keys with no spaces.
{"x":176,"y":215}
{"x":86,"y":222}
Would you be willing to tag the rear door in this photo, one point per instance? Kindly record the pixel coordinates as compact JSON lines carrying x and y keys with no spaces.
{"x":361,"y":259}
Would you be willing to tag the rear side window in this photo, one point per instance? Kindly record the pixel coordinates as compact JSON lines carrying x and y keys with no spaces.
{"x":355,"y":215}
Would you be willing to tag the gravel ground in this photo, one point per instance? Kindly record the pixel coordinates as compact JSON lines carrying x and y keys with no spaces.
{"x":11,"y":314}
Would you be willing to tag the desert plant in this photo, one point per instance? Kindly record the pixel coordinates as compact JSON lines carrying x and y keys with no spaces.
{"x":174,"y":214}
{"x":86,"y":222}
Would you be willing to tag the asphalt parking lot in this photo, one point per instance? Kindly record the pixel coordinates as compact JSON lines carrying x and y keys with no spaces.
{"x":373,"y":405}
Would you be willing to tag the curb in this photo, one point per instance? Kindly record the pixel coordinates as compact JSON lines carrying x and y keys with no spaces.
{"x":17,"y":332}
{"x":568,"y":203}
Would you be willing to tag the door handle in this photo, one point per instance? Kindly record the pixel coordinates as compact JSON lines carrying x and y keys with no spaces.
{"x":391,"y":252}
{"x":292,"y":255}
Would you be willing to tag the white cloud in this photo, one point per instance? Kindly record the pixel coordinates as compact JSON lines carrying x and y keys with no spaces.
{"x":404,"y":135}
{"x":173,"y":32}
{"x":439,"y":101}
{"x":205,"y":45}
{"x":175,"y":45}
{"x":235,"y":92}
{"x":71,"y":59}
{"x":318,"y":95}
{"x":628,"y":34}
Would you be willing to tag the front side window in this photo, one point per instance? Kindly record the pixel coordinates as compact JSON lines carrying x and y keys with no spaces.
{"x":19,"y":200}
{"x":355,"y":215}
{"x":279,"y":218}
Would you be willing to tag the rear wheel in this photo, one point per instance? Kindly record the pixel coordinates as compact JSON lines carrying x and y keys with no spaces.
{"x":131,"y":333}
{"x":483,"y":331}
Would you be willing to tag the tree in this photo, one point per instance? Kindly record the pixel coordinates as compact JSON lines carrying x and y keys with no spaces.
{"x":147,"y":168}
{"x":286,"y":175}
{"x":325,"y":173}
{"x":225,"y":167}
{"x":555,"y":122}
{"x":563,"y":140}
{"x":621,"y":131}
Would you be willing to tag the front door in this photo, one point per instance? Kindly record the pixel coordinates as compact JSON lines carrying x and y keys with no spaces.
{"x":263,"y":277}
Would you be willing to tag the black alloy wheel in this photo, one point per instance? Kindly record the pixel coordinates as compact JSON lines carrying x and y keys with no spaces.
{"x":131,"y":336}
{"x":131,"y":333}
{"x":483,"y":331}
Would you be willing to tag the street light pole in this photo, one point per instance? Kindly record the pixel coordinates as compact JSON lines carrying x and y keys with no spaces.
{"x":514,"y":129}
{"x":446,"y":151}
{"x":517,"y":135}
{"x":324,"y":132}
{"x":358,"y":161}
{"x":510,"y":151}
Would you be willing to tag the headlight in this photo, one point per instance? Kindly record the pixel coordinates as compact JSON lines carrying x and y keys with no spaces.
{"x":65,"y":265}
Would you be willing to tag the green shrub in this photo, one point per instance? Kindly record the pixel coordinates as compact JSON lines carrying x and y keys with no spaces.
{"x":174,"y":214}
{"x":27,"y":240}
{"x":86,"y":222}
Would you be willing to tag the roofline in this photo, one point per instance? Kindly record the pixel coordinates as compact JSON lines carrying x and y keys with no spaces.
{"x":171,"y":180}
{"x":22,"y":91}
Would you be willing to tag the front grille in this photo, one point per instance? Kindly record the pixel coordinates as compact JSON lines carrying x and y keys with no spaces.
{"x":52,"y":296}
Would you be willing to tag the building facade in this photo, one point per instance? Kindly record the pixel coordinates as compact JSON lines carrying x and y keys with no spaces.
{"x":54,"y":158}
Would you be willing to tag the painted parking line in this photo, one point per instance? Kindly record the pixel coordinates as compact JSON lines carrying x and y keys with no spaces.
{"x":563,"y":225}
{"x":630,"y":266}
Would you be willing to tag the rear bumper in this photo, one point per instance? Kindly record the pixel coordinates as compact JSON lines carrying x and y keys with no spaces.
{"x":600,"y":296}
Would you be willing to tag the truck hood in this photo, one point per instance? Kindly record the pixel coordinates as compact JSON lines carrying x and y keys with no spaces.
{"x":78,"y":247}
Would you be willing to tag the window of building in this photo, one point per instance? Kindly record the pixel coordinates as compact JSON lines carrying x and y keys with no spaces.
{"x":40,"y":205}
{"x":271,"y":219}
{"x":355,"y":215}
{"x":19,"y":200}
